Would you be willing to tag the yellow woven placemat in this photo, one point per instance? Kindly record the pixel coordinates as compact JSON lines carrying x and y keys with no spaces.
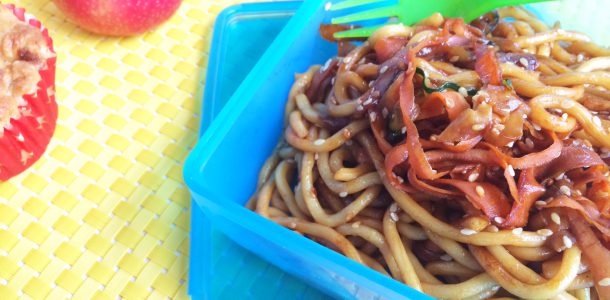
{"x":105,"y":212}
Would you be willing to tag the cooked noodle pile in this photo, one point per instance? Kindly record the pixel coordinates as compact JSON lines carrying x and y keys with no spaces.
{"x":465,"y":160}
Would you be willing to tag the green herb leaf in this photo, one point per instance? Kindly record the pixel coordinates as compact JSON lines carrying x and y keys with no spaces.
{"x":447,"y":85}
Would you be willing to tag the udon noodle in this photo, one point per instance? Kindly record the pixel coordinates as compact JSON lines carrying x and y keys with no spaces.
{"x":467,"y":161}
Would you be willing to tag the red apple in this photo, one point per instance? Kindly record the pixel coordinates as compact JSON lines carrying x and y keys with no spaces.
{"x":118,"y":17}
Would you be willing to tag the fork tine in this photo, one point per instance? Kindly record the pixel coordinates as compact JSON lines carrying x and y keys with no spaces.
{"x":352,"y":3}
{"x":375,"y":13}
{"x":358,"y":32}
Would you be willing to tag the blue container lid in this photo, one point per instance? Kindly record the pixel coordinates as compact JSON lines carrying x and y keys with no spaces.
{"x":219,"y":268}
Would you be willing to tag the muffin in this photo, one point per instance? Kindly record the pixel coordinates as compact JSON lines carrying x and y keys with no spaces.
{"x":28,"y":111}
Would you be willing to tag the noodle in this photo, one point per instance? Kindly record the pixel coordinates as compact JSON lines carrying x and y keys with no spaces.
{"x":468,"y":161}
{"x":449,"y":268}
{"x":398,"y":251}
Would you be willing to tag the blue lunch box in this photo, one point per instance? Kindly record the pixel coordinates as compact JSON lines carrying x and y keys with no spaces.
{"x":222,"y":171}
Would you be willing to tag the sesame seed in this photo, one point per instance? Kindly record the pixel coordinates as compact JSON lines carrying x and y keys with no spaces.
{"x":319,"y":142}
{"x":510,"y":145}
{"x":503,"y":110}
{"x":564,"y":116}
{"x":346,"y":133}
{"x":356,"y":224}
{"x":565,"y":190}
{"x":343,"y":194}
{"x":472,"y":177}
{"x":394,"y":207}
{"x":604,"y":282}
{"x":454,"y":59}
{"x":580,"y":57}
{"x":499,"y":220}
{"x":493,"y":228}
{"x":524,"y":116}
{"x":360,"y":108}
{"x":556,"y":219}
{"x":540,"y":203}
{"x":373,"y":116}
{"x":449,"y":103}
{"x":327,"y":64}
{"x":394,"y":217}
{"x":560,"y":176}
{"x":403,"y":129}
{"x":467,"y":231}
{"x":480,"y":191}
{"x":495,"y":131}
{"x":446,"y":257}
{"x":545,"y":232}
{"x":478,"y":127}
{"x":523,"y":62}
{"x":510,"y":170}
{"x":367,"y":101}
{"x":529,"y":143}
{"x":536,"y":127}
{"x":292,"y":225}
{"x":567,"y":242}
{"x":384,"y":112}
{"x":462,"y":90}
{"x":383,"y":69}
{"x":588,"y":145}
{"x":597,"y":121}
{"x":432,"y":137}
{"x":518,"y":230}
{"x":400,"y":179}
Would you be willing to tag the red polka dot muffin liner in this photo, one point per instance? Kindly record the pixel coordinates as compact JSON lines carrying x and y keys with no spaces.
{"x":25,"y":139}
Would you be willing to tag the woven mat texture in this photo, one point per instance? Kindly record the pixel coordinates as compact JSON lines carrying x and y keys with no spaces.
{"x":105,"y":212}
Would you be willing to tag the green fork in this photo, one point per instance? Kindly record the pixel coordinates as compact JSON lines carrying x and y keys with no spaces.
{"x":412,"y":11}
